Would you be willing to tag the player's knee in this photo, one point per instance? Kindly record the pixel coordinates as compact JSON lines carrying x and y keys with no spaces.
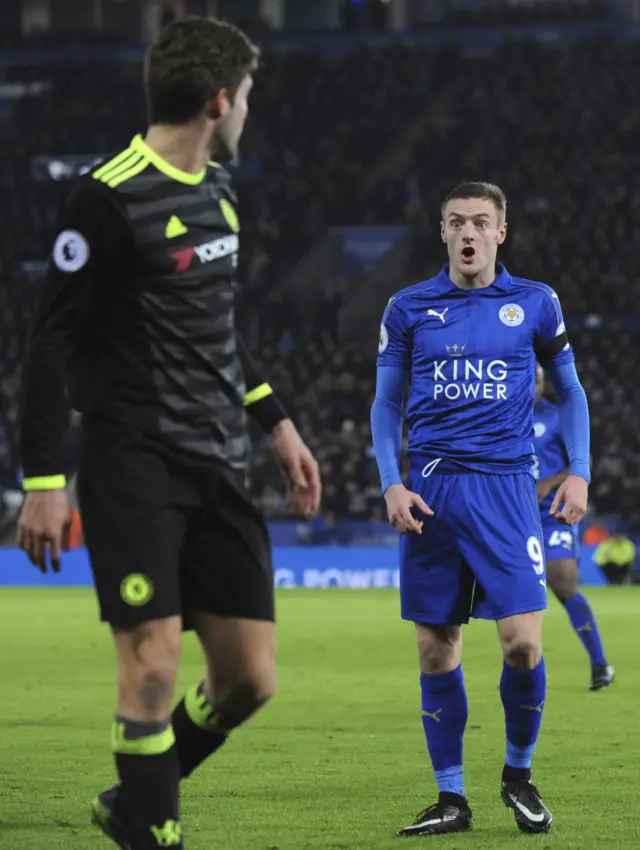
{"x":522,"y":651}
{"x":148,"y":657}
{"x":439,"y":648}
{"x":155,"y":684}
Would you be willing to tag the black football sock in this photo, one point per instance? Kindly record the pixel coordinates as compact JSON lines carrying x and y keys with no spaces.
{"x":148,"y":798}
{"x":197,"y":728}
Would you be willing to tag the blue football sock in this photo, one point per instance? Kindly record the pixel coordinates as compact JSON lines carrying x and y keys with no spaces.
{"x":444,"y":717}
{"x":584,"y":622}
{"x":523,"y":694}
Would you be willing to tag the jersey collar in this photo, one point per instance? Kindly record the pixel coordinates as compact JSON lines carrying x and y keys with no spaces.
{"x":191,"y":179}
{"x":502,"y":282}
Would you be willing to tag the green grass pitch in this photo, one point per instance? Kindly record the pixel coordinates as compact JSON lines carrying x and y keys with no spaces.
{"x":337,"y":761}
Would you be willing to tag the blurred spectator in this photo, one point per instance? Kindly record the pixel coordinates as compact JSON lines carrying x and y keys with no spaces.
{"x":616,"y":558}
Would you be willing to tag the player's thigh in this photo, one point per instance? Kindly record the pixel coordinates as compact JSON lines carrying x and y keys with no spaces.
{"x":561,"y":550}
{"x":501,"y":539}
{"x":132,"y":527}
{"x":562,"y":578}
{"x":436,"y":586}
{"x":226,"y":566}
{"x":240,"y":656}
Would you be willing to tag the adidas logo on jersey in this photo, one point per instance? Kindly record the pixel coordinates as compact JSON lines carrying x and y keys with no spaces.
{"x":208,"y":252}
{"x":174,"y":228}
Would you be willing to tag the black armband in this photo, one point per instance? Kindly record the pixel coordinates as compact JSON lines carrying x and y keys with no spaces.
{"x":266,"y":408}
{"x":547,"y":352}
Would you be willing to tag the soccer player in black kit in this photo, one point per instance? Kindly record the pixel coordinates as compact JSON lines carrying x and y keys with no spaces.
{"x":136,"y":329}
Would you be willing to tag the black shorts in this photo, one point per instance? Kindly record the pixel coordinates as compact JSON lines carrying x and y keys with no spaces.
{"x":167,"y":536}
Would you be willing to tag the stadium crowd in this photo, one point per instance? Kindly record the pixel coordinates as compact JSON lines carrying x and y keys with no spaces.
{"x":556,"y":128}
{"x":547,"y":126}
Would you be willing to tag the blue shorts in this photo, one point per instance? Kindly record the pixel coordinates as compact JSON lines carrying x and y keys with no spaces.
{"x":560,"y":541}
{"x":480,"y":555}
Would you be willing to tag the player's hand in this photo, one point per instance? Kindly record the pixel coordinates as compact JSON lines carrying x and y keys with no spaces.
{"x":570,"y":503}
{"x":301,"y":469}
{"x":44,"y":526}
{"x":543,"y":488}
{"x":399,"y":503}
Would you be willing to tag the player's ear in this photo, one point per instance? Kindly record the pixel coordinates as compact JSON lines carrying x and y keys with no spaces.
{"x":442,"y":233}
{"x":502,"y":233}
{"x":218,"y":107}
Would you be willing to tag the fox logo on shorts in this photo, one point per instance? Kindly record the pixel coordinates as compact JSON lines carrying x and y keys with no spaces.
{"x":136,"y":590}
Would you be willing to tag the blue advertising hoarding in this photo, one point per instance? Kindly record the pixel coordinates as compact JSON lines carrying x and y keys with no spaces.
{"x":355,"y":567}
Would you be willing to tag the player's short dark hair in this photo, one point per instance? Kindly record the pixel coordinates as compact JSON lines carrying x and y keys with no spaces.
{"x":480,"y":189}
{"x":190,"y":62}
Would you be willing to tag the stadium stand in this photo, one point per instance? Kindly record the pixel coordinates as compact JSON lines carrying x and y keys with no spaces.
{"x":552,"y":124}
{"x":386,"y":132}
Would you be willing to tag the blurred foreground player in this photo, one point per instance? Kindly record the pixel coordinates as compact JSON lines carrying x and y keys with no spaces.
{"x":466,"y":342}
{"x":550,"y":469}
{"x":138,"y":313}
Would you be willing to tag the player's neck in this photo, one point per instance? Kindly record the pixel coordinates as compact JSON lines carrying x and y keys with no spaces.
{"x":185,"y":146}
{"x":482,"y":279}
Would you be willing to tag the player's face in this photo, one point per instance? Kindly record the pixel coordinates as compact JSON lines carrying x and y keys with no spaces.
{"x":229,"y":127}
{"x":472,"y":230}
{"x":539,"y":382}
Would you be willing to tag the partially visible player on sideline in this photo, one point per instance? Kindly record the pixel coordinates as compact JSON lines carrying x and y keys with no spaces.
{"x":550,"y":470}
{"x":466,"y":343}
{"x":137,"y":326}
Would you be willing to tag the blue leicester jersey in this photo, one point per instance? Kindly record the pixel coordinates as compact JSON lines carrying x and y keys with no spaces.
{"x":550,"y":455}
{"x":470,"y":355}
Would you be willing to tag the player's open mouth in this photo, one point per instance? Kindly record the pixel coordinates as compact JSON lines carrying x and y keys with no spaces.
{"x":468,"y":254}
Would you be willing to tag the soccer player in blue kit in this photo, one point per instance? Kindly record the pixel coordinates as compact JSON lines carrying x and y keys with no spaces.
{"x":550,"y":469}
{"x":466,"y":343}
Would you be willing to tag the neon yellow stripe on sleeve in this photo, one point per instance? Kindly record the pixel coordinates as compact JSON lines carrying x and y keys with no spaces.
{"x":257,"y":394}
{"x":45,"y":482}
